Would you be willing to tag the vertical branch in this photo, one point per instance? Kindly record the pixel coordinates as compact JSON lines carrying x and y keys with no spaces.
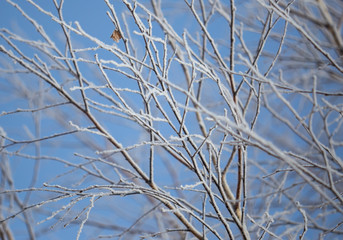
{"x":79,"y":77}
{"x":232,"y":49}
{"x":150,"y":121}
{"x":234,"y":94}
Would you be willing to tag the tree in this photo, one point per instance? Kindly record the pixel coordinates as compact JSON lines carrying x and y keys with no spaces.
{"x":203,"y":119}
